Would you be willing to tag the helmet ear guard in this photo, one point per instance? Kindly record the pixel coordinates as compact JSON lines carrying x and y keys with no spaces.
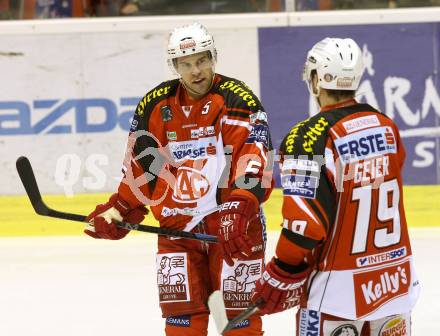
{"x":189,"y":40}
{"x":338,"y":64}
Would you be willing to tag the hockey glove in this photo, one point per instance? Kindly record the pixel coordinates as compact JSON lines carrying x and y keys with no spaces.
{"x":278,"y":289}
{"x":233,"y":219}
{"x":101,"y":223}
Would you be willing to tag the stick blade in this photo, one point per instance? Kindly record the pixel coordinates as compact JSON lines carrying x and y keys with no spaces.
{"x":27,"y":177}
{"x":218,"y":311}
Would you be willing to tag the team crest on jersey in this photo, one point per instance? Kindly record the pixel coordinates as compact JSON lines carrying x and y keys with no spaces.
{"x":190,"y":185}
{"x":396,"y":326}
{"x":167,"y":115}
{"x":172,"y":277}
{"x":238,"y":282}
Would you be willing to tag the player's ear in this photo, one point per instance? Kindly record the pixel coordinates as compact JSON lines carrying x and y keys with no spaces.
{"x":314,"y":81}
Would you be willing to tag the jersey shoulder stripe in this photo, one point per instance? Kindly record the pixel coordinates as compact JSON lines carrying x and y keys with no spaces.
{"x":308,"y":137}
{"x":154,"y":96}
{"x":238,"y":97}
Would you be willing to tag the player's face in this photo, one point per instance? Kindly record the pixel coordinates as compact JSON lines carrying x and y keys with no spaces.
{"x":196,"y":71}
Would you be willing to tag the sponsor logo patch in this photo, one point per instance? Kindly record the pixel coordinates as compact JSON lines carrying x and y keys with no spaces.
{"x":172,"y":277}
{"x":395,"y":327}
{"x":381,"y":257}
{"x":242,"y":324}
{"x":238,"y":282}
{"x":299,"y":185}
{"x":187,"y":44}
{"x":134,"y":124}
{"x":167,"y":212}
{"x":345,"y":82}
{"x":259,"y":133}
{"x":345,"y":330}
{"x":374,"y":288}
{"x":300,"y":164}
{"x":179,"y":321}
{"x":258,"y":116}
{"x":361,"y":123}
{"x":309,"y":322}
{"x":172,"y":136}
{"x":241,"y":91}
{"x":193,"y":150}
{"x":366,"y":144}
{"x":194,"y":134}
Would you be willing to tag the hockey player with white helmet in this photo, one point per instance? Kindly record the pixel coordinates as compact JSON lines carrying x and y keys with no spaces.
{"x":200,"y":143}
{"x":344,"y":254}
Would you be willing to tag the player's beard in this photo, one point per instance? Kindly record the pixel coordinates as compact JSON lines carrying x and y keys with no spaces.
{"x":195,"y":92}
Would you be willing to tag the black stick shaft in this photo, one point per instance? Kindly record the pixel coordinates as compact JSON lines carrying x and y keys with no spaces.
{"x":27,"y":177}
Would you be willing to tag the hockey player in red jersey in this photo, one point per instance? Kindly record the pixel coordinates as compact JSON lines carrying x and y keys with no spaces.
{"x":344,"y":253}
{"x":198,"y":156}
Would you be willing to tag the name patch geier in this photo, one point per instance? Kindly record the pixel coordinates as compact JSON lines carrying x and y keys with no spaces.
{"x":369,"y":143}
{"x":299,"y":185}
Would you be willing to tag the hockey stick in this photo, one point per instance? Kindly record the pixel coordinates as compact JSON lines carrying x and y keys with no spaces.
{"x":27,"y":177}
{"x":243,"y":316}
{"x":218,"y":311}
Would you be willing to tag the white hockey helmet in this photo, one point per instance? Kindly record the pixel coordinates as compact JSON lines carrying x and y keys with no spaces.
{"x":188,"y":40}
{"x":338,"y":64}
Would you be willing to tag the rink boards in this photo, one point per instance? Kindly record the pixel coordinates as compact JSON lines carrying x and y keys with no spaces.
{"x":18,"y":218}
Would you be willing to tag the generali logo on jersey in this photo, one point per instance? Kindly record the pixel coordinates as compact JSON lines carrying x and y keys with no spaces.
{"x":238,"y":283}
{"x":375,"y":288}
{"x":172,"y":277}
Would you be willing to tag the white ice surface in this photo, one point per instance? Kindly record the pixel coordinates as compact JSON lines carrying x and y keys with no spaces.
{"x":62,"y":286}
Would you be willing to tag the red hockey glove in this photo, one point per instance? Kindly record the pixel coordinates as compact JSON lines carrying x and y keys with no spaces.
{"x":279,"y":290}
{"x":101,"y":223}
{"x":234,"y":217}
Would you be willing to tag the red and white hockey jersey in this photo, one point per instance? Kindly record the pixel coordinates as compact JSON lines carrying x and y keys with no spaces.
{"x":341,"y":172}
{"x":184,"y":156}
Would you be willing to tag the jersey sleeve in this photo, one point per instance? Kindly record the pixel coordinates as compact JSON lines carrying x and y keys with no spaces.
{"x":309,"y":197}
{"x":144,"y":160}
{"x":245,"y":131}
